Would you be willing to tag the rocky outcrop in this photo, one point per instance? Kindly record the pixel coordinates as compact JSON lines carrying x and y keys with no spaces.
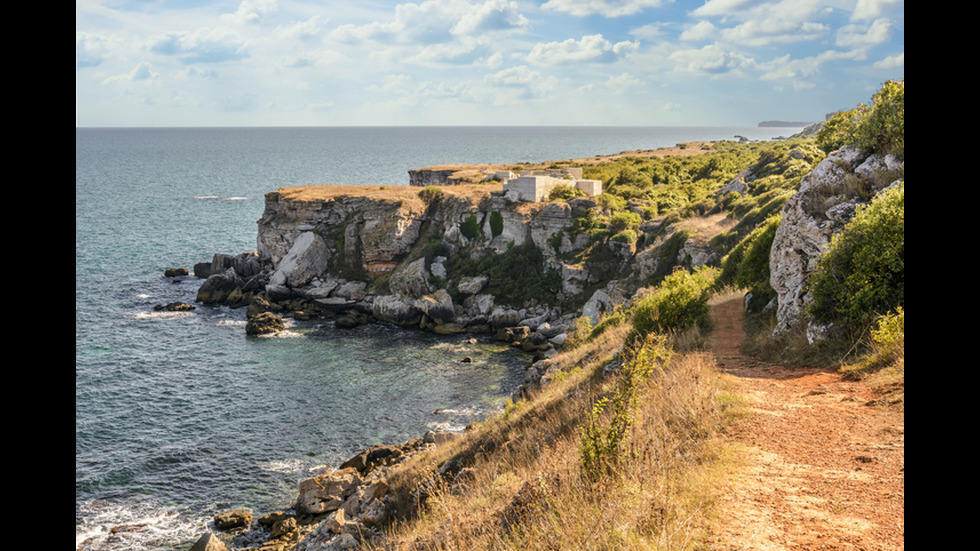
{"x":826,"y":201}
{"x":404,"y":256}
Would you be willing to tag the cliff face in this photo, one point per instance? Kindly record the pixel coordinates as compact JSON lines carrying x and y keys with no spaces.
{"x":391,"y":256}
{"x":826,"y":201}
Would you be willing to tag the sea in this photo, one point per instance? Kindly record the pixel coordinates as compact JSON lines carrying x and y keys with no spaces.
{"x":179,"y":416}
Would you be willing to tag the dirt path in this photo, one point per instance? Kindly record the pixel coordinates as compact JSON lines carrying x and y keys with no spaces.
{"x":820,"y":468}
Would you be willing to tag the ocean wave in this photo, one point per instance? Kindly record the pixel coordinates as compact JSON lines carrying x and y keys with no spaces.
{"x":162,"y":314}
{"x":101,"y":525}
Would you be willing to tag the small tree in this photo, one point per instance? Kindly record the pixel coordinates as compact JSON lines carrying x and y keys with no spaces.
{"x":496,"y":223}
{"x":470,"y":228}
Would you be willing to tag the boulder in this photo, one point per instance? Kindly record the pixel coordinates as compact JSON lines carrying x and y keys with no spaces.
{"x":411,"y":280}
{"x":472,"y":285}
{"x":306,"y":259}
{"x":235,"y":518}
{"x":209,"y":542}
{"x":327,"y":492}
{"x":175,"y":272}
{"x":219,"y":286}
{"x":372,"y":457}
{"x":479,"y":305}
{"x":202,"y":270}
{"x":535,"y":341}
{"x":438,"y":306}
{"x":599,"y":304}
{"x":264,"y":323}
{"x":396,"y":309}
{"x":352,"y":290}
{"x":504,"y":317}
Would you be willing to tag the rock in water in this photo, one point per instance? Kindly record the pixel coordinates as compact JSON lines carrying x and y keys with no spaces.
{"x":264,"y":323}
{"x":236,"y":518}
{"x":209,"y":542}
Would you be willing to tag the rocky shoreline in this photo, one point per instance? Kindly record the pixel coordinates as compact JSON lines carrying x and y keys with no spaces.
{"x":336,"y":508}
{"x":393,"y":256}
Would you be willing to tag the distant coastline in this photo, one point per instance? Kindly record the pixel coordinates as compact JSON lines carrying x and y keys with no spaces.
{"x":769,"y":124}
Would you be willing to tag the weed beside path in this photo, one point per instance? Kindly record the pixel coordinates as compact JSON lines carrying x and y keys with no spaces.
{"x":817,"y":466}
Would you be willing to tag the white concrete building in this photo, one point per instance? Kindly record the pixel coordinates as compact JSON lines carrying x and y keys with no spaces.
{"x":537,"y":186}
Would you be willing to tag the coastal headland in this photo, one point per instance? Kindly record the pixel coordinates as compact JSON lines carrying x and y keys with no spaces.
{"x":456,"y":252}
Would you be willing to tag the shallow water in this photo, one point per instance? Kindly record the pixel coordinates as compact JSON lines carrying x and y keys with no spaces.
{"x":180,"y":415}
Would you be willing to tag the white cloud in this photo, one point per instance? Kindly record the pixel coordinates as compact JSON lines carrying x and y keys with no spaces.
{"x":200,"y":46}
{"x":90,"y":49}
{"x":592,"y":48}
{"x":522,"y":83}
{"x":437,"y":21}
{"x":891,"y":62}
{"x":761,"y":23}
{"x":492,"y":15}
{"x":250,"y":12}
{"x":863,"y":36}
{"x":606,"y":8}
{"x":713,"y":60}
{"x":797,"y":70}
{"x":872,"y":9}
{"x":142,"y":71}
{"x":723,"y":8}
{"x":702,"y":30}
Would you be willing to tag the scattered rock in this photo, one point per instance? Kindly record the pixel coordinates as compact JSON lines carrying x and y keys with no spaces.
{"x":264,"y":323}
{"x":235,"y":518}
{"x":174,"y":307}
{"x":326,"y":493}
{"x":175,"y":272}
{"x":209,"y":542}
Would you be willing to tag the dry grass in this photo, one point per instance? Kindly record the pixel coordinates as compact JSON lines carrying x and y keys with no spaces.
{"x":520,"y":486}
{"x":408,"y":194}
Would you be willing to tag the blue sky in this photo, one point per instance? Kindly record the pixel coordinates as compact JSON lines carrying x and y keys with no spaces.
{"x":480,"y":62}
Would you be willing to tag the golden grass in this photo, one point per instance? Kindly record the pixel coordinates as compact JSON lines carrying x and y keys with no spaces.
{"x":386,"y":193}
{"x":522,"y":488}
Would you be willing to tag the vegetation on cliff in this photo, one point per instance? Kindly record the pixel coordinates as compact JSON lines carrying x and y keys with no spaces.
{"x":619,"y":451}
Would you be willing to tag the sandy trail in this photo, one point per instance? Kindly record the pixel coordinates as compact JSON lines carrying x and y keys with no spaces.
{"x":820,"y":468}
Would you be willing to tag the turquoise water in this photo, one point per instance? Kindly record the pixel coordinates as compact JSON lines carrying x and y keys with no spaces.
{"x":179,"y":415}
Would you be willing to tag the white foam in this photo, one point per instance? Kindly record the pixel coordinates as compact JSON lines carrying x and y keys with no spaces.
{"x":132,"y":526}
{"x":283,"y":466}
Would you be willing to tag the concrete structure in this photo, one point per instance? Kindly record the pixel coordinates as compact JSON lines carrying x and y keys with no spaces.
{"x":537,"y":186}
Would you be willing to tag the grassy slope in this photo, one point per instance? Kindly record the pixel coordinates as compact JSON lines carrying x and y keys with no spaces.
{"x":522,"y":484}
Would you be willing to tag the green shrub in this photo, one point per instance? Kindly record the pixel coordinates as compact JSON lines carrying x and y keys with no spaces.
{"x":624,"y":220}
{"x":889,"y":332}
{"x":516,"y":276}
{"x":679,"y":302}
{"x":625,"y":236}
{"x":862,"y":275}
{"x":748,"y":263}
{"x":470,"y":228}
{"x":496,"y":223}
{"x":879,"y":128}
{"x":428,"y":194}
{"x":564,"y":192}
{"x":604,"y":448}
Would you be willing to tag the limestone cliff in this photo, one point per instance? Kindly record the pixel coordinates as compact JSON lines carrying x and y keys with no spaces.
{"x":390,"y":253}
{"x":826,"y":201}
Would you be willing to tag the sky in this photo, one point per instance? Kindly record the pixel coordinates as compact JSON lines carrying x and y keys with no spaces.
{"x":480,"y":62}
